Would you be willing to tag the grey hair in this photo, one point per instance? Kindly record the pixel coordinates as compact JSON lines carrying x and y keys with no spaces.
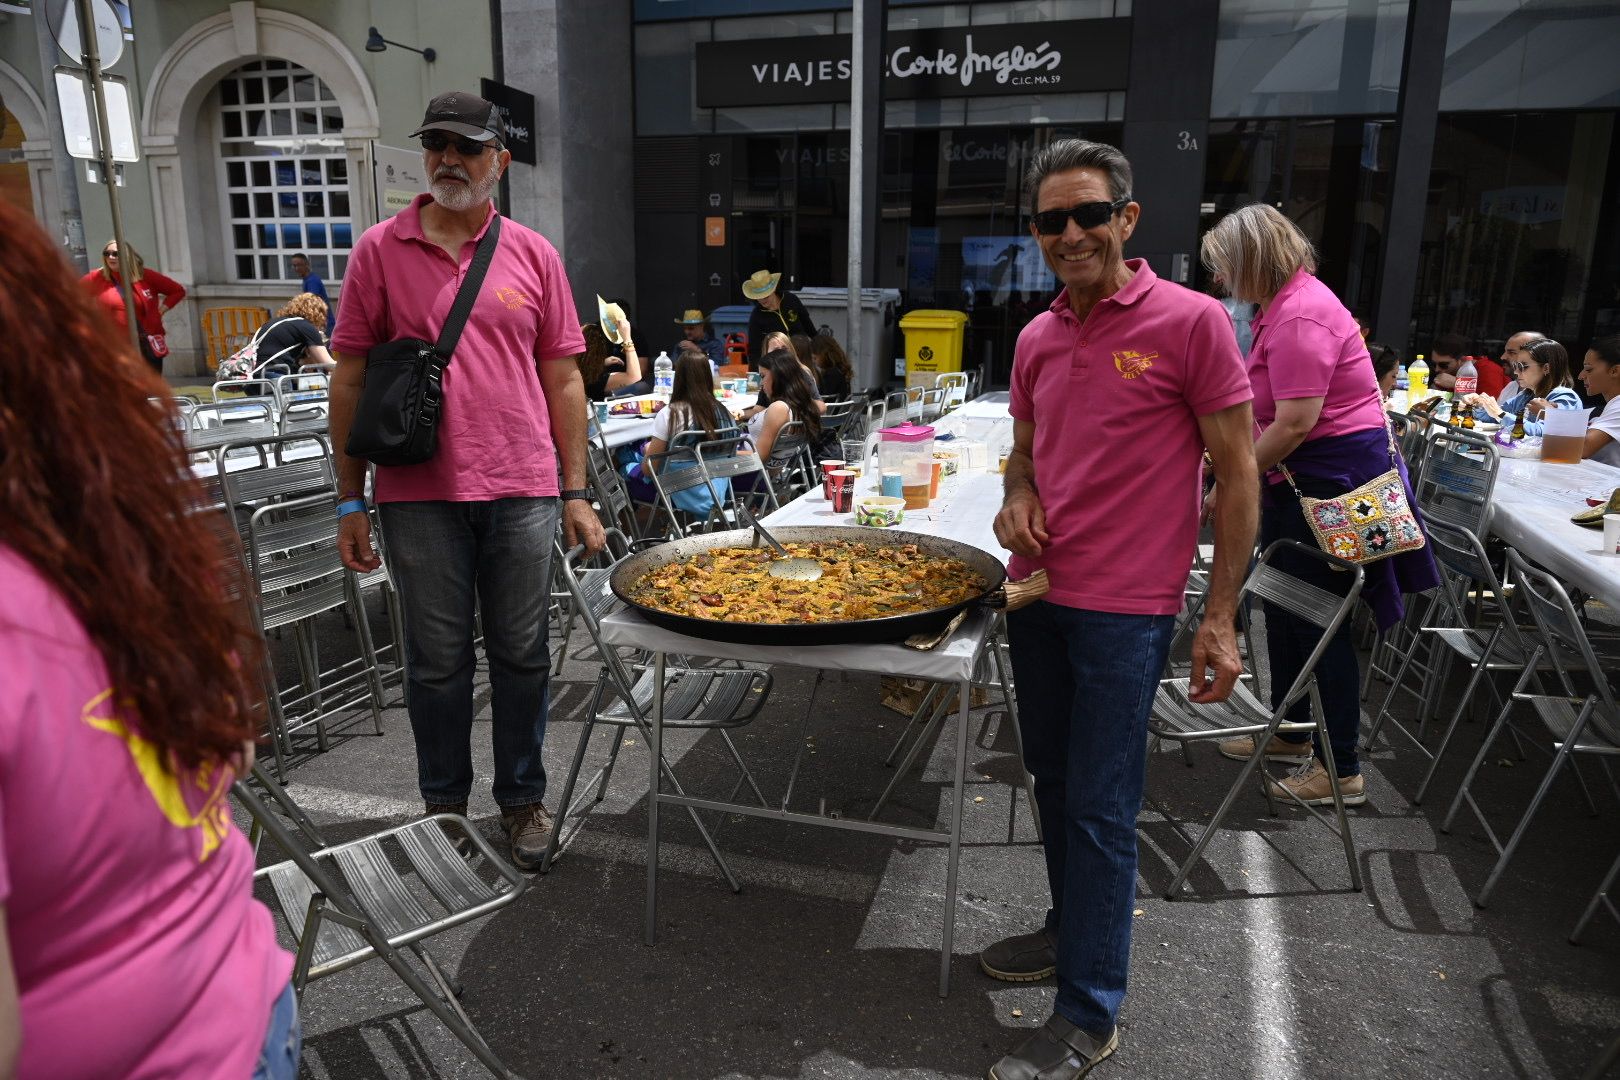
{"x":1256,"y":249}
{"x":1065,"y":155}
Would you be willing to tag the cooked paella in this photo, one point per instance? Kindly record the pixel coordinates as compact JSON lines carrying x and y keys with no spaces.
{"x":858,"y":581}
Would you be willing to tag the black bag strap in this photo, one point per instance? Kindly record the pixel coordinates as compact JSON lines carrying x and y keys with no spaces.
{"x":467,"y":295}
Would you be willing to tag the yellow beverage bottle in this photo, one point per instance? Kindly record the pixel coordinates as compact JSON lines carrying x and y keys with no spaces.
{"x":1417,"y":378}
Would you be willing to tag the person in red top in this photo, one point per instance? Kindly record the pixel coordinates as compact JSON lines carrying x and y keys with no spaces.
{"x":154,"y":294}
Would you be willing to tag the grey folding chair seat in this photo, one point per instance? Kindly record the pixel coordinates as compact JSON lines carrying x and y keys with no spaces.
{"x":788,"y":464}
{"x":717,"y":699}
{"x":1586,"y":724}
{"x":217,"y":423}
{"x":751,"y":488}
{"x":836,"y":421}
{"x":307,"y":413}
{"x":380,"y":896}
{"x":679,"y":469}
{"x":1176,"y":718}
{"x":613,"y":503}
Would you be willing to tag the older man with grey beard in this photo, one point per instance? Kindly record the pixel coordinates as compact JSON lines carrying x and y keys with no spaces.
{"x":477,"y":519}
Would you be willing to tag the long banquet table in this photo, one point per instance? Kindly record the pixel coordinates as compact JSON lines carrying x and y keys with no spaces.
{"x":964,"y":512}
{"x":1530,"y":510}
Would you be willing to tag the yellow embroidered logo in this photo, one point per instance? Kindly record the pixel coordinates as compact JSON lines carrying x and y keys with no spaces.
{"x":212,"y":819}
{"x":1131,"y":363}
{"x":512,"y":298}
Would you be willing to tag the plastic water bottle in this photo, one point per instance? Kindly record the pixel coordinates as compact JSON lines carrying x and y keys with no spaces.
{"x":1417,"y":376}
{"x":1467,"y":378}
{"x":663,"y":376}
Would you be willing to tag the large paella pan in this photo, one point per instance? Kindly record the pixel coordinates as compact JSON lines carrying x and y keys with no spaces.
{"x":634,"y":579}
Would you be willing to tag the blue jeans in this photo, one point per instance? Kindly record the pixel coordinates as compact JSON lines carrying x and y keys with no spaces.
{"x":1289,"y":641}
{"x":283,"y":1042}
{"x":441,"y":554}
{"x":1086,"y":681}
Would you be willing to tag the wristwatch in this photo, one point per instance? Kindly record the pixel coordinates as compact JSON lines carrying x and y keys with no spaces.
{"x":569,"y":495}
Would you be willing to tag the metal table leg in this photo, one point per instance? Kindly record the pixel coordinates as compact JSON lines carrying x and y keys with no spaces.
{"x":965,"y":692}
{"x":654,"y":776}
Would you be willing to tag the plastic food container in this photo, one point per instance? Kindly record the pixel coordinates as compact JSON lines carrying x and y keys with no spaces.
{"x":879,"y":511}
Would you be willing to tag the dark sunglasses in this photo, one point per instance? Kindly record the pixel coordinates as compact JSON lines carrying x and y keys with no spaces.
{"x":1087,"y":215}
{"x":1520,"y":369}
{"x":437,"y":141}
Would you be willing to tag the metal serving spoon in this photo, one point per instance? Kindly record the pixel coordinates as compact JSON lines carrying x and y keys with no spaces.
{"x":784,"y":565}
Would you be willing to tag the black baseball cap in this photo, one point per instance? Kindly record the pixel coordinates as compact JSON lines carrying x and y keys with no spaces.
{"x":461,"y":113}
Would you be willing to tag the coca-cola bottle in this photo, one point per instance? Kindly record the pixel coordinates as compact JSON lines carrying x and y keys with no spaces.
{"x":1467,"y":379}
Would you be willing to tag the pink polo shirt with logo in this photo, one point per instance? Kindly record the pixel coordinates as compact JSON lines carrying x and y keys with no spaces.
{"x":1118,"y":455}
{"x":495,"y":432}
{"x":1306,"y":344}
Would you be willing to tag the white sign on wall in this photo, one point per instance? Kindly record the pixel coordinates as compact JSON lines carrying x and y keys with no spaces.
{"x":398,"y":176}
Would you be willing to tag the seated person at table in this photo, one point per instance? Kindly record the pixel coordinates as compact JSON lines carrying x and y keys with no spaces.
{"x":1386,"y":366}
{"x":790,"y":396}
{"x":604,"y":371}
{"x":780,"y":342}
{"x":834,"y":375}
{"x":1543,"y":378}
{"x":1601,"y":374}
{"x":1445,"y":359}
{"x":696,"y":330}
{"x":693,"y":416}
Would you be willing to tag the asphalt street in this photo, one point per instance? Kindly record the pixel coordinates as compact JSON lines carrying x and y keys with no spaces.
{"x":825,"y":965}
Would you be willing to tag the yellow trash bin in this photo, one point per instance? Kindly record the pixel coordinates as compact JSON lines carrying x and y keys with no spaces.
{"x":933,"y":343}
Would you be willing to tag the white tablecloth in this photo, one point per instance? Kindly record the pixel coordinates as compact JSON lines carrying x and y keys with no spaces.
{"x":622,"y":430}
{"x":1530,"y":509}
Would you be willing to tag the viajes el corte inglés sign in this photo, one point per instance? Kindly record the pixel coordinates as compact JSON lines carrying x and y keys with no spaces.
{"x":961,"y":61}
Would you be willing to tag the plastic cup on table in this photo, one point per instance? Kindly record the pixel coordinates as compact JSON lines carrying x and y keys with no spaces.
{"x":841,"y":490}
{"x":936,"y":471}
{"x":854,"y":453}
{"x":892,"y":487}
{"x":601,"y":412}
{"x":827,"y":467}
{"x":1611,"y":534}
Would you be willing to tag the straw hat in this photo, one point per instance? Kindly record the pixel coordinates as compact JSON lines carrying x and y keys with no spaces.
{"x":690,"y":317}
{"x":760,"y":284}
{"x":608,"y":316}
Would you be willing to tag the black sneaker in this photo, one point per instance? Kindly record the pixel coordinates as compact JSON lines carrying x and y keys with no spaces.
{"x":1025,"y":958}
{"x":1056,"y":1051}
{"x":529,"y":830}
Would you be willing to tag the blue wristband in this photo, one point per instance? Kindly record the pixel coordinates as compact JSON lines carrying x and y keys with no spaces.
{"x":351,"y":506}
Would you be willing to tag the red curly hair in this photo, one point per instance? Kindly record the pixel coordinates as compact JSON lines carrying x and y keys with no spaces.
{"x":96,"y":494}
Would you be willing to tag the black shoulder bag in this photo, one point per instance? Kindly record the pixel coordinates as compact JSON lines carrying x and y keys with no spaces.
{"x":397,"y":419}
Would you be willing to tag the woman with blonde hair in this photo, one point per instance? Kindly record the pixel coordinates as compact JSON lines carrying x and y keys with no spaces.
{"x":154,"y":294}
{"x":1321,"y":417}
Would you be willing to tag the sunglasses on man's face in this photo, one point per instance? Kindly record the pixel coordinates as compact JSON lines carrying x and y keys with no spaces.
{"x":437,"y":141}
{"x":1087,"y":215}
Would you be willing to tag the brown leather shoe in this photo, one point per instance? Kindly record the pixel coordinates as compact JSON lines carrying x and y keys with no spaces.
{"x":1311,"y":786}
{"x":1278,"y":749}
{"x":529,"y":829}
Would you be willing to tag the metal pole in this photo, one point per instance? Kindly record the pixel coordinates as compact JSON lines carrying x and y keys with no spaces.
{"x":63,"y":170}
{"x":92,"y":63}
{"x":857,"y":188}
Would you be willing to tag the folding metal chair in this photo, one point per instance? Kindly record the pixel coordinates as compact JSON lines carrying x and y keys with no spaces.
{"x":750,"y":487}
{"x":307,"y":414}
{"x":713,"y":699}
{"x":292,"y":556}
{"x":381,"y":895}
{"x":613,"y":503}
{"x":955,"y":386}
{"x":677,"y":472}
{"x":1176,"y":718}
{"x":788,"y":465}
{"x":1578,"y":724}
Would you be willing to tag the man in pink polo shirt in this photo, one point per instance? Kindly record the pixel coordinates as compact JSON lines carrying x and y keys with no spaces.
{"x":1116,"y":392}
{"x":479,"y":518}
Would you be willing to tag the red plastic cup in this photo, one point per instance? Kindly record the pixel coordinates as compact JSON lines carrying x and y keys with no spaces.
{"x":841,"y":490}
{"x":827,"y":466}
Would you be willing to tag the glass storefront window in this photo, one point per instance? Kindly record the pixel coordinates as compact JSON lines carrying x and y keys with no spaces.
{"x":1507,"y":54}
{"x":1331,"y":177}
{"x":663,"y":78}
{"x":1512,"y":236}
{"x":1308,"y":57}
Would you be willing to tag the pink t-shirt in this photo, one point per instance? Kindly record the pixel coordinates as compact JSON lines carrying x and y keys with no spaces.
{"x":495,"y":432}
{"x":1307,"y":345}
{"x":138,"y":946}
{"x":1115,"y":402}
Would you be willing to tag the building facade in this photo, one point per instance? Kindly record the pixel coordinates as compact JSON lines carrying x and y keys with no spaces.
{"x":683,"y":144}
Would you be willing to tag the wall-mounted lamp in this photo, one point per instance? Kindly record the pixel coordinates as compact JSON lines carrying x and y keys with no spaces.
{"x":375,"y":42}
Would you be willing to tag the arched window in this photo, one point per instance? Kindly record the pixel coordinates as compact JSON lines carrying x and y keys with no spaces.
{"x":283,"y":171}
